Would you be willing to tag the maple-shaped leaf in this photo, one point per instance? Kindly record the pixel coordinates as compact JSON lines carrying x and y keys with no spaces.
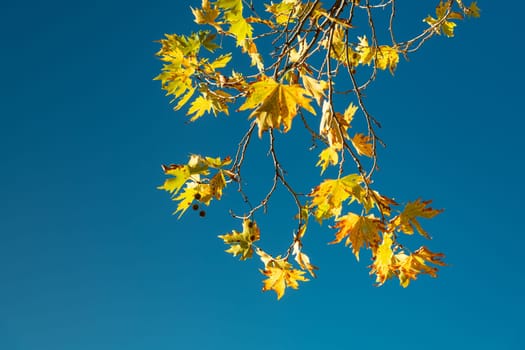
{"x":239,"y":27}
{"x":218,"y":162}
{"x":383,"y":260}
{"x":328,"y":197}
{"x":326,"y":157}
{"x":410,"y":266}
{"x":284,"y":12}
{"x":334,"y":126}
{"x":241,"y":242}
{"x":384,"y":56}
{"x":180,"y":173}
{"x":314,"y":87}
{"x":359,"y":231}
{"x":275,"y":104}
{"x":383,"y":203}
{"x":199,"y":106}
{"x":362,"y":145}
{"x":206,"y":14}
{"x":473,"y":10}
{"x":442,"y":13}
{"x":280,"y":274}
{"x":279,"y":278}
{"x":339,"y":49}
{"x":407,"y":221}
{"x":208,"y":102}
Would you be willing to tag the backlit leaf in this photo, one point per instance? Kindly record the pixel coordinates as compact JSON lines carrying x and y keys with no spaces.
{"x":360,"y":231}
{"x":383,"y":260}
{"x":407,"y":220}
{"x":275,"y":104}
{"x":241,"y":242}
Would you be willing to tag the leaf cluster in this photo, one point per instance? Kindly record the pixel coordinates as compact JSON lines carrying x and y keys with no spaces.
{"x":319,"y":60}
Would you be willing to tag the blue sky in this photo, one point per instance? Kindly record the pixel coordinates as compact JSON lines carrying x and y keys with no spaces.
{"x":91,"y":257}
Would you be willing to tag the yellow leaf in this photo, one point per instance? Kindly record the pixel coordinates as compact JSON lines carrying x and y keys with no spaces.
{"x":328,"y":197}
{"x":302,"y":259}
{"x":359,"y":231}
{"x":314,"y":87}
{"x":241,"y":242}
{"x":208,"y":102}
{"x":239,"y":27}
{"x":383,"y":260}
{"x":281,"y":275}
{"x":339,"y":48}
{"x":326,"y":157}
{"x":447,"y":27}
{"x":407,"y":221}
{"x":473,"y":10}
{"x":199,"y":106}
{"x":384,"y":56}
{"x":218,"y":162}
{"x":275,"y":104}
{"x":362,"y":145}
{"x":249,"y":47}
{"x":284,"y":11}
{"x":410,"y":266}
{"x":186,"y":197}
{"x":221,"y":61}
{"x":205,"y":15}
{"x":335,"y":126}
{"x":180,"y":173}
{"x":217,"y":184}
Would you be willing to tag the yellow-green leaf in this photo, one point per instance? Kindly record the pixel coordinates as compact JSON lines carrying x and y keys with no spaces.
{"x":241,"y":242}
{"x":275,"y":104}
{"x":326,"y":157}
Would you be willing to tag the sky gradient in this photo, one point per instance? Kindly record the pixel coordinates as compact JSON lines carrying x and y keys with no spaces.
{"x":91,"y":257}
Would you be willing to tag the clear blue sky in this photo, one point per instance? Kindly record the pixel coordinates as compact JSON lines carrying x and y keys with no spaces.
{"x":91,"y":257}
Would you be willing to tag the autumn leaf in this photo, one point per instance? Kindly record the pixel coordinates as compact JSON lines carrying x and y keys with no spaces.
{"x":334,"y":126}
{"x":283,"y":12}
{"x":208,"y":102}
{"x":473,"y":10}
{"x":180,"y":173}
{"x":280,"y":274}
{"x":410,"y":266}
{"x":241,"y":242}
{"x":328,"y":197}
{"x":221,"y":61}
{"x":314,"y":87}
{"x":206,"y":15}
{"x":407,"y":221}
{"x":217,"y":162}
{"x":249,"y":47}
{"x":302,"y":259}
{"x":383,"y":260}
{"x":239,"y":27}
{"x":275,"y":104}
{"x":384,"y":56}
{"x":442,"y":13}
{"x":186,"y":197}
{"x":359,"y":231}
{"x":328,"y":156}
{"x":362,"y":145}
